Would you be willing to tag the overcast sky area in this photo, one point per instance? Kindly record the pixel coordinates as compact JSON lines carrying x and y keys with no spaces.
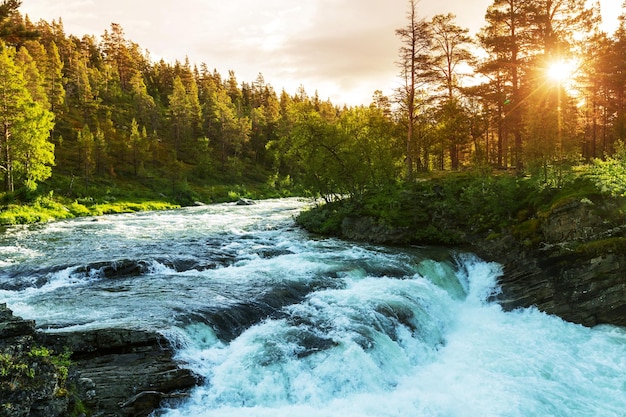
{"x":344,"y":49}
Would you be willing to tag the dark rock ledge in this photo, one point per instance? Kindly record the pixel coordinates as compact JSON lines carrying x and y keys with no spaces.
{"x":575,"y":270}
{"x":570,"y":262}
{"x":113,"y":372}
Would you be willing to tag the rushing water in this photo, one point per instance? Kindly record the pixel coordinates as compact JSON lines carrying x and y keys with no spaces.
{"x":284,"y":324}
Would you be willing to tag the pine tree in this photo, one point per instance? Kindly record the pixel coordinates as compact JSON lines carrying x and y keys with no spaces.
{"x":414,"y":71}
{"x":508,"y":40}
{"x":34,"y":80}
{"x":180,"y":110}
{"x":449,"y":51}
{"x":53,"y":76}
{"x":13,"y":30}
{"x":25,"y":152}
{"x":86,"y":142}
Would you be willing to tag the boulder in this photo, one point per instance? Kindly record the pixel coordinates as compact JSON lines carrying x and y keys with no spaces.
{"x":113,"y":372}
{"x":31,"y":384}
{"x":245,"y":202}
{"x":11,"y":326}
{"x":123,"y":372}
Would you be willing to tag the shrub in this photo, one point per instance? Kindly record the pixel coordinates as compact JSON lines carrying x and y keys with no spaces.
{"x":609,"y":175}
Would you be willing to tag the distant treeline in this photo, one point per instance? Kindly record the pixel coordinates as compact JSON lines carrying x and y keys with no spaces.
{"x":97,"y":108}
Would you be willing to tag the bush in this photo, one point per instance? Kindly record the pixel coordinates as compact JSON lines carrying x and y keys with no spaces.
{"x":325,"y":219}
{"x":439,"y":210}
{"x":609,"y":175}
{"x":78,"y":209}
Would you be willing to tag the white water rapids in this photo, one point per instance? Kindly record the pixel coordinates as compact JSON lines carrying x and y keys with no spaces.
{"x":281,"y":323}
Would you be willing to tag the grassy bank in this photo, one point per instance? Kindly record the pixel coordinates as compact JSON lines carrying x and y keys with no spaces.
{"x":451,"y":209}
{"x":46,"y":209}
{"x":63,"y":198}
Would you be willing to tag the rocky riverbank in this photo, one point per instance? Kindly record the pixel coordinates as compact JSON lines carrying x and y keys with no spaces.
{"x":572,"y":264}
{"x":568,"y":260}
{"x":106,"y":372}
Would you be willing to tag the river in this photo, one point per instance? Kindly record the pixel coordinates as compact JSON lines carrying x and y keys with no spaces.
{"x":282,"y":323}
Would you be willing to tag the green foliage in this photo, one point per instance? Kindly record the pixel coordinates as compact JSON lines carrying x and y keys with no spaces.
{"x":603,"y":246}
{"x":325,"y":219}
{"x":493,"y":201}
{"x":581,"y":187}
{"x":61,"y":362}
{"x":609,"y":175}
{"x":334,"y":153}
{"x":439,"y":210}
{"x":12,"y":215}
{"x":78,"y":408}
{"x":47,"y":209}
{"x":26,"y":372}
{"x":13,"y":369}
{"x":16,"y":370}
{"x":527,"y":230}
{"x":79,"y":210}
{"x":26,"y":155}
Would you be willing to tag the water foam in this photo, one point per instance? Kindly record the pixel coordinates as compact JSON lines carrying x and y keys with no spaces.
{"x":372,"y":331}
{"x":490,"y":362}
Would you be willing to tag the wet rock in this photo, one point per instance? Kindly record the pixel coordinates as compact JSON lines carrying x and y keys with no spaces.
{"x":575,"y":272}
{"x":231,"y":320}
{"x":113,"y":372}
{"x":112,"y":366}
{"x":31,"y":384}
{"x":576,"y":287}
{"x":311,"y":343}
{"x":372,"y":230}
{"x":245,"y":202}
{"x":116,"y":269}
{"x":11,"y":326}
{"x":16,"y":279}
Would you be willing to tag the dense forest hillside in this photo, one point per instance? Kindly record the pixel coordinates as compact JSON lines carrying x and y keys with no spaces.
{"x":539,"y":90}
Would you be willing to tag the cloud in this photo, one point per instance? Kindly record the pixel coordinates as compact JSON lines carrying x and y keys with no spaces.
{"x":345,"y":49}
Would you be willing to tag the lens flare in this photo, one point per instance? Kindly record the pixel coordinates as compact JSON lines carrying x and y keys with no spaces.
{"x":561,"y":70}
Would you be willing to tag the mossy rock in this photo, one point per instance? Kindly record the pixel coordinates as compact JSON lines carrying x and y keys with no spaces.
{"x":616,"y":245}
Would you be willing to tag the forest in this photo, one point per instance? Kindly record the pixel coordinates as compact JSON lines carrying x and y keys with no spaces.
{"x":539,"y":92}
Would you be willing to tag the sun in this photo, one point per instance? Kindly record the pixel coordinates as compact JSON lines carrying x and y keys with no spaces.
{"x":561,"y":70}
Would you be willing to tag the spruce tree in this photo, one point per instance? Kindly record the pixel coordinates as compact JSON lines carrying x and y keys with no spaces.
{"x":25,"y":151}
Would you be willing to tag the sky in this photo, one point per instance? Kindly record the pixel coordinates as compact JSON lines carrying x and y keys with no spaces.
{"x":343,"y":49}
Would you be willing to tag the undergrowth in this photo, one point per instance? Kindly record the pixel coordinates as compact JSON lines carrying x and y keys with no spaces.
{"x":450,"y":209}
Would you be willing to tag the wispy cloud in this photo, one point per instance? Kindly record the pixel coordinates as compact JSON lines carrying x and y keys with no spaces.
{"x":343,"y":48}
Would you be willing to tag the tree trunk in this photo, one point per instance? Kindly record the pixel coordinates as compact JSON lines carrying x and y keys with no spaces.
{"x":454,"y":156}
{"x":6,"y":156}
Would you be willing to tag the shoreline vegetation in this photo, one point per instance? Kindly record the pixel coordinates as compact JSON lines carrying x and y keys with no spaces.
{"x":457,"y":209}
{"x":446,"y":209}
{"x":48,"y":209}
{"x":122,"y":197}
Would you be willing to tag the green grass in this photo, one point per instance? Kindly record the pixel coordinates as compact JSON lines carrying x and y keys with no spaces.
{"x":64,"y":198}
{"x":49,"y":209}
{"x":450,"y":209}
